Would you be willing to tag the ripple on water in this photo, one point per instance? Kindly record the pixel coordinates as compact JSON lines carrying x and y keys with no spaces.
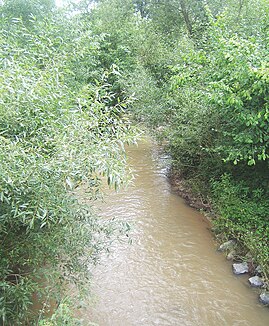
{"x":171,"y":274}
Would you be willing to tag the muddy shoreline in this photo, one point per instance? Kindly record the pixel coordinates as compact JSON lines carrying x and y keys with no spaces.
{"x":180,"y":187}
{"x":240,"y":254}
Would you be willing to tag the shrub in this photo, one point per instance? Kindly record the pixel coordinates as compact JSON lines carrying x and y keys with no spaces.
{"x":56,"y":133}
{"x":243,"y":213}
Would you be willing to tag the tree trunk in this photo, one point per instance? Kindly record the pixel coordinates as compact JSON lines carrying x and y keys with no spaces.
{"x":186,"y":16}
{"x":241,"y":3}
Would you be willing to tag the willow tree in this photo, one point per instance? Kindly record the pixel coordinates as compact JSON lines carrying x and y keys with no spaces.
{"x":26,"y":9}
{"x":61,"y":126}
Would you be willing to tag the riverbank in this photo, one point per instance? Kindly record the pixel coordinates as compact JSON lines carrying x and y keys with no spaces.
{"x":183,"y":189}
{"x":235,"y":250}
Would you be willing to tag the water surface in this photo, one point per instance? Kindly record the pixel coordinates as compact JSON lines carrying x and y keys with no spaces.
{"x":171,"y":274}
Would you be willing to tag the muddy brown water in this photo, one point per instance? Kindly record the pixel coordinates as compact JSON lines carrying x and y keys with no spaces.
{"x":171,"y":274}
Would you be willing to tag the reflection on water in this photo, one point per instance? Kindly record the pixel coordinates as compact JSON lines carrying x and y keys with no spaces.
{"x":171,"y":274}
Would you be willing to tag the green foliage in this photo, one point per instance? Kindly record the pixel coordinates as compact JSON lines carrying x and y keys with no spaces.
{"x":199,"y":74}
{"x":166,"y":16}
{"x":115,"y":23}
{"x":228,"y":81}
{"x":61,"y":126}
{"x":243,"y":214}
{"x":62,"y":316}
{"x":203,"y":86}
{"x":147,"y":107}
{"x":239,"y":79}
{"x":26,"y":9}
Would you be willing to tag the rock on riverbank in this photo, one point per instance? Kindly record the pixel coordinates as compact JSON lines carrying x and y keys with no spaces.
{"x":240,"y":268}
{"x":264,"y":298}
{"x":256,"y":281}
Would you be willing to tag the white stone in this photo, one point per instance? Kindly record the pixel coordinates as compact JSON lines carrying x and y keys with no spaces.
{"x":231,"y":255}
{"x":256,"y":281}
{"x":240,"y":268}
{"x":264,"y":298}
{"x":226,"y":245}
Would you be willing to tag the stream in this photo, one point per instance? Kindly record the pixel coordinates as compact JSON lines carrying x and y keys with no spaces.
{"x":171,"y":274}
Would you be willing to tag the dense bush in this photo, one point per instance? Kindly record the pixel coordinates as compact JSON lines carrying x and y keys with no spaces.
{"x":61,"y":126}
{"x":243,"y":214}
{"x":206,"y":93}
{"x":220,"y":125}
